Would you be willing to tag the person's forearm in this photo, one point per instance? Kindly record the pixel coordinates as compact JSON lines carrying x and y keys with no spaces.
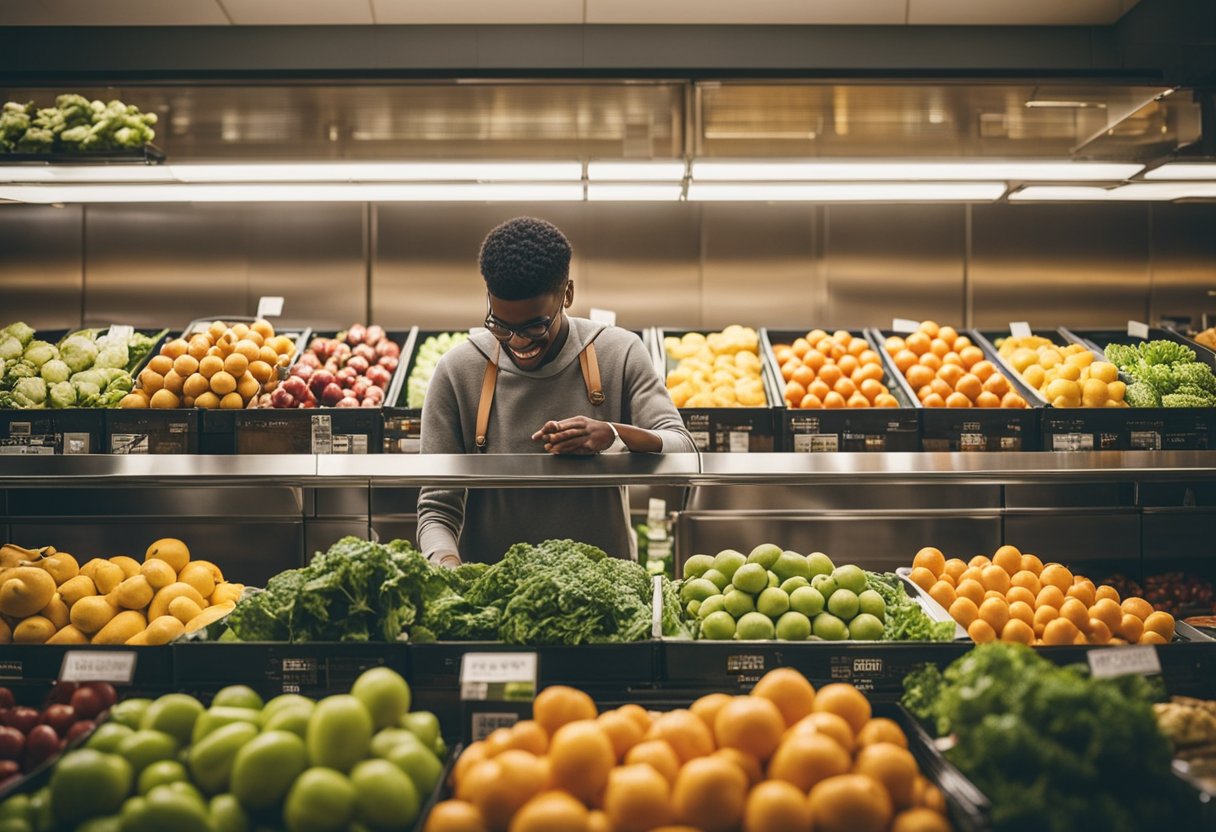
{"x":639,"y":440}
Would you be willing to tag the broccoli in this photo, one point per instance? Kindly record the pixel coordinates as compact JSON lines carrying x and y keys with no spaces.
{"x":40,"y":352}
{"x":20,"y":330}
{"x":1188,"y":400}
{"x":10,"y":348}
{"x":1166,"y":352}
{"x":14,"y":121}
{"x":55,"y":371}
{"x":1123,"y":357}
{"x":78,"y":352}
{"x":36,"y":140}
{"x":62,"y":395}
{"x":30,"y":393}
{"x":1142,"y":394}
{"x":1196,"y":374}
{"x":74,"y":109}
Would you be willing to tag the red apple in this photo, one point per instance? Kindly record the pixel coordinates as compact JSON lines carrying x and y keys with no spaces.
{"x":388,"y":362}
{"x":80,"y":729}
{"x":331,"y":395}
{"x":40,"y":745}
{"x":296,"y":386}
{"x":320,"y":380}
{"x":388,"y":349}
{"x":6,"y":698}
{"x":357,"y":363}
{"x":104,"y":690}
{"x":379,"y":376}
{"x":22,"y":718}
{"x":356,"y":334}
{"x":61,"y":717}
{"x":12,"y":743}
{"x":349,"y":402}
{"x":282,"y":399}
{"x":376,"y":393}
{"x":375,"y":334}
{"x":308,"y":403}
{"x":366,"y":352}
{"x":309,"y":359}
{"x":61,"y":692}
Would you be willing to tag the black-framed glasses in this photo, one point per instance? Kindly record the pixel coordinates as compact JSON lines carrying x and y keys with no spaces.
{"x":533,"y":330}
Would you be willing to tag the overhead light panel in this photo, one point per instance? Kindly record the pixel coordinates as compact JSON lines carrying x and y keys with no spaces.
{"x":86,"y":173}
{"x":869,"y":192}
{"x":1155,"y":192}
{"x":296,"y":192}
{"x":714,"y":170}
{"x":1183,"y":170}
{"x":631,"y":171}
{"x":241,"y":173}
{"x":635,"y":192}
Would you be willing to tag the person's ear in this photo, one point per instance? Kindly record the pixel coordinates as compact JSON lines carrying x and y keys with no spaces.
{"x":569,"y":295}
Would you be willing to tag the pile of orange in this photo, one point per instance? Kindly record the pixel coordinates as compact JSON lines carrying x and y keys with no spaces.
{"x":1015,"y":597}
{"x":787,"y":757}
{"x":837,"y":370}
{"x":946,"y":370}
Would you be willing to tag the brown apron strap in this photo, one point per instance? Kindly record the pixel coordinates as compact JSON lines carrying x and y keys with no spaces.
{"x":488,"y":384}
{"x":591,"y":375}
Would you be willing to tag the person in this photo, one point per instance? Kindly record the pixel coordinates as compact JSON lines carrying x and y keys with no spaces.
{"x":538,"y":380}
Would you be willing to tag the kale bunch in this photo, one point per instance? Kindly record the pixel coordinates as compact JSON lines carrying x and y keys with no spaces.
{"x":1164,"y":374}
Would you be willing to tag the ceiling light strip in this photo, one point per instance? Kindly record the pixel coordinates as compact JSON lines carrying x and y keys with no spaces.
{"x":868,"y":192}
{"x":1138,"y":192}
{"x":294,"y":192}
{"x":714,"y":170}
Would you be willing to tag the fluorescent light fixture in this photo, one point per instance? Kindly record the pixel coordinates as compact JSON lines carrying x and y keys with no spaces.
{"x":1061,"y":104}
{"x":815,"y":192}
{"x":1183,"y":170}
{"x":1156,"y":192}
{"x":295,"y":192}
{"x":85,"y":173}
{"x":656,"y":171}
{"x":382,"y":172}
{"x":901,"y":171}
{"x":635,"y":192}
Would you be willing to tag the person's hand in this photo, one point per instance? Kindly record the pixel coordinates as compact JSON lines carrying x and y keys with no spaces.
{"x":576,"y":435}
{"x":450,"y":560}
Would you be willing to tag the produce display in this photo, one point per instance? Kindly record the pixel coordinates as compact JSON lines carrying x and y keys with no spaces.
{"x":1064,"y":376}
{"x":426,"y":358}
{"x":833,"y":371}
{"x":721,"y":369}
{"x":46,"y":597}
{"x":772,"y":593}
{"x":351,"y":370}
{"x":1178,"y":593}
{"x":351,"y":761}
{"x":88,"y":368}
{"x":558,"y":592}
{"x":74,"y":125}
{"x":220,"y":367}
{"x":945,"y":369}
{"x":785,"y":757}
{"x":1163,"y":374}
{"x":1015,"y":597}
{"x":31,"y":736}
{"x":1190,"y":725}
{"x":1052,"y":748}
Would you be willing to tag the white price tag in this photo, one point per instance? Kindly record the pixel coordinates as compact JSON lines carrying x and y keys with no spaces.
{"x":497,"y":668}
{"x":740,"y":441}
{"x":1019,"y":329}
{"x":1140,"y":659}
{"x":270,"y":307}
{"x":904,"y":325}
{"x":603,"y":316}
{"x":656,"y":511}
{"x":1135,"y":329}
{"x":117,"y":667}
{"x":120,"y":331}
{"x":656,"y":607}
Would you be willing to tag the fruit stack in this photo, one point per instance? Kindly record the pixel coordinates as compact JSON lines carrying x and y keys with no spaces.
{"x":721,"y":369}
{"x":47,"y":598}
{"x":787,"y":757}
{"x":783,"y":594}
{"x":1066,"y":376}
{"x":29,"y":736}
{"x":944,"y":369}
{"x":350,"y":761}
{"x":1016,"y":597}
{"x":832,"y":371}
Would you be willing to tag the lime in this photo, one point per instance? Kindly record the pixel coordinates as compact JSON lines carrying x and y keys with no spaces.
{"x":162,"y":773}
{"x":820,"y":564}
{"x":293,"y":718}
{"x":693,"y":608}
{"x":286,"y":700}
{"x":129,"y":712}
{"x":738,"y":602}
{"x":265,"y":767}
{"x":107,"y":736}
{"x":143,"y":748}
{"x":698,"y":589}
{"x":384,"y":693}
{"x":751,"y":577}
{"x":850,"y":577}
{"x":793,"y":626}
{"x":717,"y":579}
{"x":773,"y":602}
{"x":830,"y":628}
{"x":227,"y":814}
{"x":218,"y":716}
{"x":210,"y":761}
{"x":728,"y":562}
{"x":88,"y":784}
{"x":765,"y":554}
{"x":167,"y":807}
{"x":173,"y":714}
{"x":417,"y":761}
{"x":754,"y":626}
{"x":321,"y":800}
{"x":238,"y":696}
{"x":339,"y":732}
{"x":871,"y":603}
{"x":424,"y":725}
{"x":773,"y":580}
{"x":711,"y":605}
{"x":807,"y":600}
{"x":826,"y":585}
{"x":790,"y":584}
{"x":865,"y":627}
{"x":843,"y":604}
{"x":790,"y":565}
{"x":719,"y":626}
{"x":697,"y":565}
{"x":384,"y":741}
{"x":385,"y":798}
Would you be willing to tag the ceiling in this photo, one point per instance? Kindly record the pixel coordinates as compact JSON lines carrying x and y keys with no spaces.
{"x":397,"y":12}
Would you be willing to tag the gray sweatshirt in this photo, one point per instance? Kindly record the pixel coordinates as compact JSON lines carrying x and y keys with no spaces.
{"x":487,"y":522}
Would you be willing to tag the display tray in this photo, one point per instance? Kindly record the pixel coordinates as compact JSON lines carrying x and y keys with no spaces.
{"x":312,"y":669}
{"x":969,"y":428}
{"x":143,"y":431}
{"x":848,"y":429}
{"x":402,"y":428}
{"x":726,"y":429}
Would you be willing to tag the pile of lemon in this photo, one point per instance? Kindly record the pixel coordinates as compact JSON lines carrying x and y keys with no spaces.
{"x":1066,"y":376}
{"x":786,"y":757}
{"x":721,"y":369}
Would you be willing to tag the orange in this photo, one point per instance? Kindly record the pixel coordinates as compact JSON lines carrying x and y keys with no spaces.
{"x":471,"y":756}
{"x":995,"y":578}
{"x":1083,"y":591}
{"x":1008,"y":558}
{"x":1130,"y":628}
{"x":891,"y":765}
{"x":871,"y":388}
{"x":857,"y":400}
{"x":997,"y":385}
{"x":747,"y":764}
{"x":558,"y":705}
{"x":931,"y":361}
{"x":981,"y":631}
{"x":1021,"y":611}
{"x":923,"y":578}
{"x":964,"y":611}
{"x":940,"y":388}
{"x":1060,"y":631}
{"x":658,"y":755}
{"x":1138,"y":607}
{"x":933,"y":400}
{"x":996,"y":612}
{"x":955,"y":568}
{"x":969,"y":386}
{"x":983,"y":370}
{"x":850,"y":803}
{"x":918,"y":342}
{"x":806,"y":759}
{"x":1020,"y":593}
{"x":829,"y":374}
{"x":942,"y":593}
{"x":932,"y":559}
{"x":845,"y":387}
{"x":710,"y":794}
{"x":1076,"y":612}
{"x":905,"y":360}
{"x":455,"y":816}
{"x":1018,"y":631}
{"x":946,"y":579}
{"x":551,"y":812}
{"x":957,"y":400}
{"x":952,"y":359}
{"x":1149,"y":637}
{"x":527,"y":735}
{"x":1043,"y":616}
{"x":794,"y":392}
{"x":930,"y":796}
{"x":803,"y":375}
{"x":950,"y":373}
{"x":881,"y":729}
{"x":930,"y":328}
{"x":637,"y":799}
{"x":920,"y":819}
{"x":938,"y":347}
{"x":1097,"y":632}
{"x":846,"y":702}
{"x":947,"y":334}
{"x":979,"y":561}
{"x":814,"y":359}
{"x":499,"y":787}
{"x":622,"y":732}
{"x":498,"y":741}
{"x":1056,"y":575}
{"x":1049,"y":596}
{"x":1108,"y":612}
{"x":751,"y":724}
{"x":688,"y":736}
{"x":1107,"y":591}
{"x":707,"y":707}
{"x":830,"y":725}
{"x":919,"y":375}
{"x":893,"y":344}
{"x":1027,"y":580}
{"x":789,"y":690}
{"x":1012,"y":399}
{"x":818,"y":389}
{"x":1161,"y":623}
{"x":970,"y":355}
{"x":992,"y":593}
{"x":833,"y":401}
{"x":801,"y":347}
{"x":581,"y":756}
{"x":810,"y":402}
{"x":776,"y":805}
{"x":970,"y":589}
{"x":848,"y":365}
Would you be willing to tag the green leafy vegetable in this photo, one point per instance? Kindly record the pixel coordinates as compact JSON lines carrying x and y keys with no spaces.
{"x":906,"y":620}
{"x":1164,"y":374}
{"x":74,"y":124}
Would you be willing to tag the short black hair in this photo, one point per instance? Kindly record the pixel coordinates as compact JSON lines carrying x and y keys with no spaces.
{"x":524,"y":258}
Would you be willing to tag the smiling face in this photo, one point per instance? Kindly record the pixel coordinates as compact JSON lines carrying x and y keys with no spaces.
{"x":532,"y":330}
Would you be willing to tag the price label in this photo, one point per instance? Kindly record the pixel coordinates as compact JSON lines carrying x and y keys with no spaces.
{"x":904,"y":325}
{"x":603,"y":316}
{"x":506,"y":675}
{"x":656,"y":513}
{"x":656,"y":607}
{"x":1135,"y":329}
{"x":120,"y":331}
{"x":740,"y":442}
{"x":270,"y":307}
{"x":1019,"y":329}
{"x":117,"y":667}
{"x":1124,"y":661}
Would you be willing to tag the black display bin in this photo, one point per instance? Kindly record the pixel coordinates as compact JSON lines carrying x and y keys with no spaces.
{"x":39,"y":665}
{"x":311,"y":669}
{"x":145,"y":431}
